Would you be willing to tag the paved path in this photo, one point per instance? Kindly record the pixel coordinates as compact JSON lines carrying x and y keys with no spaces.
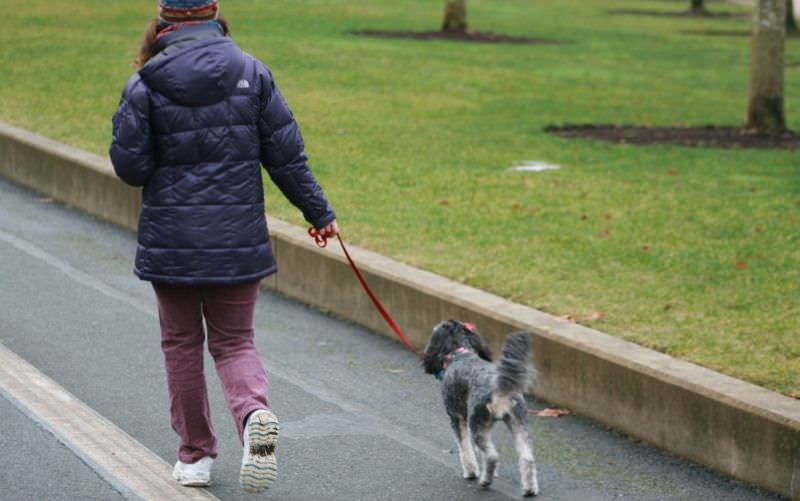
{"x":360,"y":421}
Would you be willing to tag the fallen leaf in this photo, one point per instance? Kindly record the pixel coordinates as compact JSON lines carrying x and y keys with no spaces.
{"x":584,"y":217}
{"x":646,"y":248}
{"x":667,"y":307}
{"x":602,"y":234}
{"x":553,"y":412}
{"x":608,"y":216}
{"x":741,"y":265}
{"x":515,"y":205}
{"x":759,"y":229}
{"x":672,"y":172}
{"x":568,"y":318}
{"x":443,"y":202}
{"x":596,"y":315}
{"x":753,"y":189}
{"x":612,"y":462}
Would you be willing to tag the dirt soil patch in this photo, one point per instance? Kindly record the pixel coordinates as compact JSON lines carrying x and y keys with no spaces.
{"x":719,"y":33}
{"x":469,"y":36}
{"x":730,"y":33}
{"x":696,"y":137}
{"x":681,"y":13}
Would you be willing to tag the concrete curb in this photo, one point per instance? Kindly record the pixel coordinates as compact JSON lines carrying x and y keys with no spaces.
{"x":737,"y":428}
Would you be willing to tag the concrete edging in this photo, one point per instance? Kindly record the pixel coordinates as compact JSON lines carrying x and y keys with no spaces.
{"x":732,"y":426}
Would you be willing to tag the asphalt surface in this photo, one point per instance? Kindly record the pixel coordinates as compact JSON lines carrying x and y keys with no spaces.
{"x":359,"y":419}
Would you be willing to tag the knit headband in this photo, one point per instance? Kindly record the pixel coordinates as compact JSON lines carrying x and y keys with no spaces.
{"x":182,"y":11}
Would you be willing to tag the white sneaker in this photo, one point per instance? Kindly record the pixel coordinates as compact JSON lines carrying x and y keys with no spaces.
{"x":259,"y":466}
{"x":197,"y":474}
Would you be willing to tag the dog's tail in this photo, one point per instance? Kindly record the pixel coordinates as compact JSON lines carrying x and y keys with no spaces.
{"x":514,"y":371}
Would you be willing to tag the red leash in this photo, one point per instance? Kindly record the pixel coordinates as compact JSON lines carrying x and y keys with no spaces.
{"x":322,"y":241}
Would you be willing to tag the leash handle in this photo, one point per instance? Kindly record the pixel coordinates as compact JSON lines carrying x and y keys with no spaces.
{"x":322,"y":241}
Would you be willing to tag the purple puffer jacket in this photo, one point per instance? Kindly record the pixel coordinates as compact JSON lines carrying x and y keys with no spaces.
{"x":192,"y":128}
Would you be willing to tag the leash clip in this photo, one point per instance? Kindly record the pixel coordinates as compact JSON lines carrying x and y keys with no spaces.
{"x":320,"y":239}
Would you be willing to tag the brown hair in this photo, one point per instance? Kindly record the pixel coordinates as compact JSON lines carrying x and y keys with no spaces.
{"x":148,"y":47}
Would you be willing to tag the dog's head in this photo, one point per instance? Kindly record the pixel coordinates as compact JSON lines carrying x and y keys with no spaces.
{"x":447,"y":337}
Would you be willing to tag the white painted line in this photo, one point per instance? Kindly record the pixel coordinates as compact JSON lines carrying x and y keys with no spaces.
{"x":75,"y":274}
{"x":131,"y":468}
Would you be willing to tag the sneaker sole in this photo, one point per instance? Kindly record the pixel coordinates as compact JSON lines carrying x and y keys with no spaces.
{"x":260,"y":468}
{"x":195,"y":483}
{"x":192,"y":482}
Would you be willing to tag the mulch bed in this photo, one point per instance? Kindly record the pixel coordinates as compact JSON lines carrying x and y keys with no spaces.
{"x":682,"y":13}
{"x":731,"y":33}
{"x":696,"y":137}
{"x":469,"y":36}
{"x":719,"y":33}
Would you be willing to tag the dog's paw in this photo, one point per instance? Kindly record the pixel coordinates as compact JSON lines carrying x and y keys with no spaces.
{"x":533,"y":491}
{"x":470,"y":471}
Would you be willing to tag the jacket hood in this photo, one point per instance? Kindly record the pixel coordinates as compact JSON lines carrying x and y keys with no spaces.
{"x":198,"y":66}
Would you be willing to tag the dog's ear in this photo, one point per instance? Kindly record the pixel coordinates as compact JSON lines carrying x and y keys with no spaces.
{"x":431,"y":362}
{"x":433,"y":358}
{"x":476,"y":341}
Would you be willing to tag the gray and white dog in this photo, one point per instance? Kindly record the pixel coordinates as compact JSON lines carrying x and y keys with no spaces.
{"x":478,"y":393}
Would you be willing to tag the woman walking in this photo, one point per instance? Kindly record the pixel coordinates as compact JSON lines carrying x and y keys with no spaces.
{"x":194,"y":124}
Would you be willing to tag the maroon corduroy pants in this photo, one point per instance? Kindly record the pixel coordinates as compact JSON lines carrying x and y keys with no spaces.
{"x":228,"y":313}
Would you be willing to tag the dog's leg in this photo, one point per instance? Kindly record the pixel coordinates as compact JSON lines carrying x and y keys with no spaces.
{"x":481,"y":435}
{"x":517,"y":422}
{"x":468,"y":459}
{"x":465,"y":451}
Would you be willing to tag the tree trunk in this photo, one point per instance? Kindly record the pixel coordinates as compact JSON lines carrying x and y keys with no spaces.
{"x":791,"y":22}
{"x":698,"y":7}
{"x":455,"y":16}
{"x":765,"y":101}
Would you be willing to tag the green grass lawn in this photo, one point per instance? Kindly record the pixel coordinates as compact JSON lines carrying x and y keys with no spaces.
{"x":693,"y":252}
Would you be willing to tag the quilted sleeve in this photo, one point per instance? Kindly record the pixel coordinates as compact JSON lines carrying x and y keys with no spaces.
{"x":284,"y":158}
{"x":131,"y":149}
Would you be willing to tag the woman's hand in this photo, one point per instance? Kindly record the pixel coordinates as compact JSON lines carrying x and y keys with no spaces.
{"x":330,"y":231}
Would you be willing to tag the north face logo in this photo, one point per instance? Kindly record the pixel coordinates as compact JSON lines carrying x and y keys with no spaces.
{"x":243,"y":84}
